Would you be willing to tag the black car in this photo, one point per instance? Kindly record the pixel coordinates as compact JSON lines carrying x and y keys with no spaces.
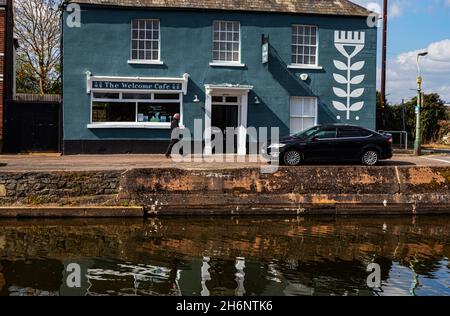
{"x":328,"y":143}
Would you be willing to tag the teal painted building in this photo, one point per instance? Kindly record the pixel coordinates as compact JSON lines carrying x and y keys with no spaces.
{"x":127,"y":69}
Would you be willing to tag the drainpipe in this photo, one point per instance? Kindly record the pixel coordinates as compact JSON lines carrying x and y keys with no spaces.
{"x":383,"y":65}
{"x":61,"y":59}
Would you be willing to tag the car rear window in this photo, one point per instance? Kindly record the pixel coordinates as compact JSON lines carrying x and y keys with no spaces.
{"x":348,"y":133}
{"x":353,"y":132}
{"x":366,"y":133}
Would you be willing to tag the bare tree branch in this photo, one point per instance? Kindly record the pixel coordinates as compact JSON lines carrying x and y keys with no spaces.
{"x":38,"y":31}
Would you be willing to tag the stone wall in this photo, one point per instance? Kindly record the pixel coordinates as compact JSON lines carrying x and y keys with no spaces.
{"x":36,"y":188}
{"x":172,"y":191}
{"x":2,"y":70}
{"x":304,"y":190}
{"x":303,"y":180}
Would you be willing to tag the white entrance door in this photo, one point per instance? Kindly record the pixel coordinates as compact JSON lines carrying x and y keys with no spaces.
{"x":225,"y":116}
{"x":239,"y":92}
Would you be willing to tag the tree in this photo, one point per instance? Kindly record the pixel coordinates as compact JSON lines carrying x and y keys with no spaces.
{"x":380,"y":113}
{"x":433,"y":111}
{"x":37,"y":29}
{"x":26,"y":78}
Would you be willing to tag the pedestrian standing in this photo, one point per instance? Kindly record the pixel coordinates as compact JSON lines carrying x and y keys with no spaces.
{"x":175,"y":138}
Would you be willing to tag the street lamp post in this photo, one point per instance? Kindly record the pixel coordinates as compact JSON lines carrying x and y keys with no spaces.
{"x":418,"y":140}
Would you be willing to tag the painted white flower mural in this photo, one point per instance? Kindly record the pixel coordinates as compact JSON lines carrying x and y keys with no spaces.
{"x":349,"y":44}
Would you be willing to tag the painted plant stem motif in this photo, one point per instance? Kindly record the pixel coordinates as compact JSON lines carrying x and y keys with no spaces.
{"x":349,"y":44}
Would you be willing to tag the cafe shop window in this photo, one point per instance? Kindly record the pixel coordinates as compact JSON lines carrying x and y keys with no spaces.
{"x":148,"y":109}
{"x":145,"y":40}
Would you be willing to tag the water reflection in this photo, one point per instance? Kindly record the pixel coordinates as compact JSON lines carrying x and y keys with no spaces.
{"x":206,"y":276}
{"x":240,"y":276}
{"x":227,"y":256}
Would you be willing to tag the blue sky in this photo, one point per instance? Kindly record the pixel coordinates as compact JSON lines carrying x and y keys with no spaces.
{"x":416,"y":25}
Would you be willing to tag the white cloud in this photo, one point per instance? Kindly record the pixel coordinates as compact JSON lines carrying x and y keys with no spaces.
{"x":374,"y":7}
{"x":396,"y":7}
{"x":437,"y":60}
{"x":402,"y":72}
{"x":402,"y":68}
{"x":440,"y":50}
{"x":370,"y":4}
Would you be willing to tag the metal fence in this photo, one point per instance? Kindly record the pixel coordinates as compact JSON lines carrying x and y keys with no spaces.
{"x":400,"y":138}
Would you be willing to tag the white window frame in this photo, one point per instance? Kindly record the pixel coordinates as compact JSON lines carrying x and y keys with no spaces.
{"x":305,"y":66}
{"x":145,"y":61}
{"x":291,"y":116}
{"x":219,"y":63}
{"x":135,"y":124}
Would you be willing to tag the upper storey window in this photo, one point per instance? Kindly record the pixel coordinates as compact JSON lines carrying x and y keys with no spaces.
{"x":304,"y":45}
{"x":145,"y":40}
{"x":227,"y":42}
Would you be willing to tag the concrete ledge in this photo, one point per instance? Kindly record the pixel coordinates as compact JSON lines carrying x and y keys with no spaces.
{"x":70,"y":212}
{"x":304,"y":190}
{"x":294,"y":204}
{"x":302,"y":180}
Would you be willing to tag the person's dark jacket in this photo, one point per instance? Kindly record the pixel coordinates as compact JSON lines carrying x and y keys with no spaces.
{"x":175,"y":125}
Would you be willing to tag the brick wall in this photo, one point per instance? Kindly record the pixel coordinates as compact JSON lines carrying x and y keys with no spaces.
{"x":2,"y":58}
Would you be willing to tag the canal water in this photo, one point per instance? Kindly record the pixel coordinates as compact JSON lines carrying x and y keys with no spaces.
{"x":226,"y":256}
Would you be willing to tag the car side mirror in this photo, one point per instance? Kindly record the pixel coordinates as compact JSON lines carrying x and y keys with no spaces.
{"x":314,"y":139}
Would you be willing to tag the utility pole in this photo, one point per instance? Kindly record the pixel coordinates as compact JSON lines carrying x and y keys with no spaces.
{"x":418,"y":140}
{"x":403,"y":115}
{"x":383,"y":64}
{"x":403,"y":124}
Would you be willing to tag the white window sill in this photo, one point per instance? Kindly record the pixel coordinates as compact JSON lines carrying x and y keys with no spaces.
{"x":292,"y":66}
{"x":145,"y":125}
{"x":219,"y":64}
{"x":145,"y":62}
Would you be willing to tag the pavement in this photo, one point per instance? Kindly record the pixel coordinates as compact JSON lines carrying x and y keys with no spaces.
{"x":50,"y":162}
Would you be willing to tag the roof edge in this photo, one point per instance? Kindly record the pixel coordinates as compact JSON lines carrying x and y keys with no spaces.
{"x":147,"y":7}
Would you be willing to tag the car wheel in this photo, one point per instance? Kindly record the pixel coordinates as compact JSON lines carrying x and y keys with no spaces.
{"x":370,"y":157}
{"x":292,"y":157}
